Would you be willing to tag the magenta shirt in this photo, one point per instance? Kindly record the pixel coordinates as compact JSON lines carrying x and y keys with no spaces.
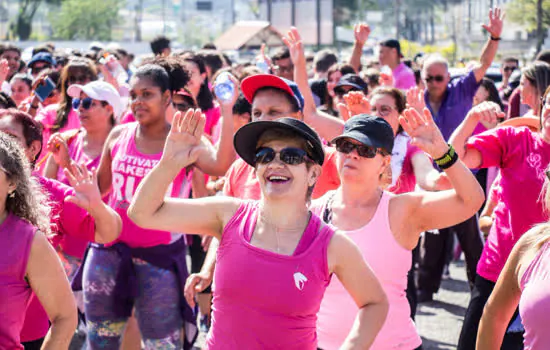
{"x":403,"y":77}
{"x":522,"y":157}
{"x":534,"y":304}
{"x":406,"y":181}
{"x":265,"y":300}
{"x":16,"y":236}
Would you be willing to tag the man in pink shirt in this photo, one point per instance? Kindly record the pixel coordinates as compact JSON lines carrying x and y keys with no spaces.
{"x":390,"y":55}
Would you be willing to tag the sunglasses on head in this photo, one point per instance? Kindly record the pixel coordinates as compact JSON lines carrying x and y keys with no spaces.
{"x":290,"y":155}
{"x":346,"y":147}
{"x":437,"y":78}
{"x":85,"y":102}
{"x":509,"y":69}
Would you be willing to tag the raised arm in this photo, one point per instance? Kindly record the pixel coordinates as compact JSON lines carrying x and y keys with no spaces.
{"x":346,"y":261}
{"x":49,"y":282}
{"x":417,"y":212}
{"x":149,"y":207}
{"x":494,"y":28}
{"x":488,"y":112}
{"x":326,"y":125}
{"x":361,"y":32}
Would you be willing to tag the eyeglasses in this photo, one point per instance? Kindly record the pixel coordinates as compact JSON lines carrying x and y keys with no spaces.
{"x":78,"y":79}
{"x":383,"y":110}
{"x":290,"y":156}
{"x":509,"y":69}
{"x":437,"y":78}
{"x":85,"y":102}
{"x":346,"y":147}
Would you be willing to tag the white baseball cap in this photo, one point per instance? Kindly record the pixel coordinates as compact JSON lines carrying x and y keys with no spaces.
{"x":101,"y":91}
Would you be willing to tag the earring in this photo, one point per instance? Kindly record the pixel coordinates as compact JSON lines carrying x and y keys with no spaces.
{"x":12,"y":195}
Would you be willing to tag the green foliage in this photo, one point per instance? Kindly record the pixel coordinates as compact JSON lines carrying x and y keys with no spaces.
{"x":409,"y":48}
{"x":524,"y":12}
{"x":22,"y":24}
{"x":86,"y":19}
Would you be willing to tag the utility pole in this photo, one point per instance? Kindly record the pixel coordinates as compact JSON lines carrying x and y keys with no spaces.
{"x":397,"y":18}
{"x":163,"y":17}
{"x":293,"y":12}
{"x":269,"y":11}
{"x":318,"y":24}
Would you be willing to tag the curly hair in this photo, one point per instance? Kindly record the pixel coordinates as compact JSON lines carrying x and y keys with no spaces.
{"x":27,"y":201}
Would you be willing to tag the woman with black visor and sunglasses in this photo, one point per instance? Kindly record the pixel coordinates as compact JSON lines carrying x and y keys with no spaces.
{"x":275,"y":258}
{"x":386,"y":227}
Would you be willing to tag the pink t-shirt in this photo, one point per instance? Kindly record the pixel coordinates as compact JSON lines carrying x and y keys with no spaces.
{"x":129,"y":167}
{"x":241,"y":181}
{"x":522,"y":157}
{"x":534,"y":304}
{"x":212,"y":118}
{"x":406,"y":181}
{"x":339,"y":310}
{"x":47,"y":117}
{"x":265,"y":300}
{"x":403,"y":77}
{"x":16,"y":236}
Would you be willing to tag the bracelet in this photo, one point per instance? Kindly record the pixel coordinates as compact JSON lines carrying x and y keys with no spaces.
{"x":34,"y":107}
{"x":495,"y":39}
{"x":448,"y":159}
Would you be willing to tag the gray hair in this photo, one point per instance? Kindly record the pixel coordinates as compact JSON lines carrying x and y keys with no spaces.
{"x":434,"y":59}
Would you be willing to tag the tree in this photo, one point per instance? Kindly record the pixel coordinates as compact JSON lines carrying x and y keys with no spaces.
{"x":533,"y":14}
{"x":86,"y":19}
{"x":25,"y":14}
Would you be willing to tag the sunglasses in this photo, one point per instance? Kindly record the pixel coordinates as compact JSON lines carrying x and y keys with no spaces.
{"x":85,"y":102}
{"x":290,"y":156}
{"x":182,"y":107}
{"x":509,"y":69}
{"x":437,"y":78}
{"x":341,"y":92}
{"x":383,"y":110}
{"x":346,"y":147}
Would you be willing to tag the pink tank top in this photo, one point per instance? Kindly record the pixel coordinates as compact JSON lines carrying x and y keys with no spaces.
{"x":129,"y":167}
{"x":16,"y":237}
{"x":265,"y":300}
{"x":71,"y":245}
{"x":391,"y":263}
{"x":534,"y":305}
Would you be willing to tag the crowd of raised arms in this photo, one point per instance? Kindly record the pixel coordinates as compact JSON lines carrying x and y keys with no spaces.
{"x":282,"y":203}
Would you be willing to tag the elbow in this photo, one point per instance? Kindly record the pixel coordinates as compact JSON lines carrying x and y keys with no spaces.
{"x":138,"y":217}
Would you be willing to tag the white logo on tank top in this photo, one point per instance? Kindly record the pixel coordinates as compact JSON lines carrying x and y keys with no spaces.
{"x":300,"y":280}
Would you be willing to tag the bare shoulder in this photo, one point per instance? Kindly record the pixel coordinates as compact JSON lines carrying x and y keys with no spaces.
{"x":340,"y":249}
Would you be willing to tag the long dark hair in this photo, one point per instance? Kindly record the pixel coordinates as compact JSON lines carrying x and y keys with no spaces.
{"x":489,"y":85}
{"x":205,"y":99}
{"x":75,"y":65}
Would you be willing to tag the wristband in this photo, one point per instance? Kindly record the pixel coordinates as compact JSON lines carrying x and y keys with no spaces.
{"x":495,"y":39}
{"x":448,"y":159}
{"x":34,"y":107}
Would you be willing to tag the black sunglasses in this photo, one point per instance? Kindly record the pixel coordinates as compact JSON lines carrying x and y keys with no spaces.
{"x":341,"y":92}
{"x":510,"y":69}
{"x":85,"y":102}
{"x":182,"y":107}
{"x":346,"y":147}
{"x":437,"y":78}
{"x":290,"y":155}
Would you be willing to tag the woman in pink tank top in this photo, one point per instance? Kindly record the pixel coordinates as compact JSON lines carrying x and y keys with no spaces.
{"x":146,"y":268}
{"x":525,"y":279}
{"x":385,"y":225}
{"x":28,"y":262}
{"x":275,"y":258}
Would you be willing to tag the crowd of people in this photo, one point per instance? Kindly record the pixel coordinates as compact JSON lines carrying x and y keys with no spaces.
{"x":316,"y":200}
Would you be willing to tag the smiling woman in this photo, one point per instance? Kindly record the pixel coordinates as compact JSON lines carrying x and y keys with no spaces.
{"x":271,"y":246}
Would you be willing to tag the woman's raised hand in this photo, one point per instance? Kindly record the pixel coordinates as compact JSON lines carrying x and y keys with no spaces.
{"x":293,"y":41}
{"x":415,"y":99}
{"x":424,"y":132}
{"x":84,"y":183}
{"x":486,"y":112}
{"x":59,"y":150}
{"x":356,"y":103}
{"x":183,"y":143}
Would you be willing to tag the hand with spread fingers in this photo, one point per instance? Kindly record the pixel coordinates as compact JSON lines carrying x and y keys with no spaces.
{"x":183,"y":143}
{"x":496,"y":22}
{"x":293,"y":41}
{"x":362,"y":33}
{"x":424,"y":132}
{"x":4,"y":70}
{"x":357,"y":103}
{"x":84,"y":183}
{"x":415,"y":99}
{"x":59,"y":150}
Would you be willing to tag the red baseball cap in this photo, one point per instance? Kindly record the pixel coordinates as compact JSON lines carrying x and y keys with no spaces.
{"x":251,"y":84}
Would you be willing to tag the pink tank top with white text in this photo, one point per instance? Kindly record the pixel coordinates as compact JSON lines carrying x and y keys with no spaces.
{"x":390,"y":263}
{"x":265,"y":300}
{"x":16,"y":236}
{"x":129,"y":167}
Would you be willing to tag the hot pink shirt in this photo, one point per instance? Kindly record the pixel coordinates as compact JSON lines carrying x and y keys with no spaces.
{"x":129,"y":167}
{"x":406,"y":181}
{"x":265,"y":300}
{"x":534,"y":304}
{"x":403,"y":77}
{"x":212,"y":118}
{"x":47,"y":117}
{"x":16,"y":236}
{"x":339,"y":310}
{"x":522,"y":157}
